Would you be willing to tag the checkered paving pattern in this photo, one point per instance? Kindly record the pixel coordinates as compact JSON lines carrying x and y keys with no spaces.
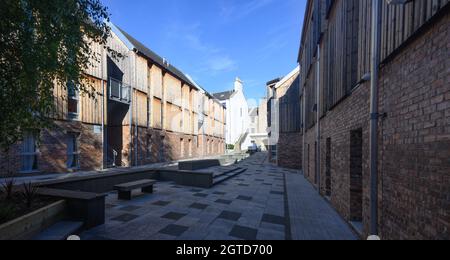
{"x":250,"y":206}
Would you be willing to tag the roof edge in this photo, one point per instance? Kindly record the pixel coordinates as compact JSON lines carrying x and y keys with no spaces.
{"x":287,"y":77}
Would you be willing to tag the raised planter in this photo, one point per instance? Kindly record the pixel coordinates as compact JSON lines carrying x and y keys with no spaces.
{"x":27,"y":226}
{"x":198,"y":164}
{"x":188,"y":178}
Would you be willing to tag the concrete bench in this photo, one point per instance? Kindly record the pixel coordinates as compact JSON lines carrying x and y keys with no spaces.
{"x":82,"y":206}
{"x":124,"y":190}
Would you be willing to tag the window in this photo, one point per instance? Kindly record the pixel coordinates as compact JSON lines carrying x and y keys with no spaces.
{"x":73,"y":154}
{"x":149,"y":147}
{"x":73,"y":99}
{"x":162,"y":150}
{"x":29,"y":154}
{"x":182,"y":147}
{"x":356,"y":175}
{"x":190,"y":147}
{"x":328,"y":168}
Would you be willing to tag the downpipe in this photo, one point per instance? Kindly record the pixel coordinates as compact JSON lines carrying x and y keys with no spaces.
{"x":318,"y":120}
{"x":374,"y":115}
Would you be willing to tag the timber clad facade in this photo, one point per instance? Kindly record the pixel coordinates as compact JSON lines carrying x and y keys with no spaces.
{"x":414,"y":100}
{"x":151,"y":113}
{"x":286,"y":131}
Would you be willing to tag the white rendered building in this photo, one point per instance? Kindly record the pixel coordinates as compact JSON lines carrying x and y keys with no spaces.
{"x":237,"y":116}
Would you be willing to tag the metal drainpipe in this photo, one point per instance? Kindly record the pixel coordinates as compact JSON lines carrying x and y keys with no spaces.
{"x":136,"y":140}
{"x":131,"y":120}
{"x":375,"y":61}
{"x":103,"y":112}
{"x":304,"y":131}
{"x":318,"y":118}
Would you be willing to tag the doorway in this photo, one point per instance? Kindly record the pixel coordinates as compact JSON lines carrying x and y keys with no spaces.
{"x":328,"y":168}
{"x":356,"y":178}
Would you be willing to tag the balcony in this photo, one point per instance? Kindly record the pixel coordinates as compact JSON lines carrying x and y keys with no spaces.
{"x":120,"y":92}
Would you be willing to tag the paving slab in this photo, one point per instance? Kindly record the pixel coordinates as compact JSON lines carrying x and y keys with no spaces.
{"x":251,"y":206}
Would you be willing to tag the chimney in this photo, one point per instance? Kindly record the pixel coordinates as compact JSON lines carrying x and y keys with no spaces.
{"x":238,"y":85}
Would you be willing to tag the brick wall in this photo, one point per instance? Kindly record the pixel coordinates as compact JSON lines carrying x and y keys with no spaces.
{"x":10,"y":162}
{"x":290,"y":150}
{"x":337,"y":126}
{"x":176,"y":146}
{"x":52,"y":156}
{"x":415,"y":169}
{"x":414,"y":165}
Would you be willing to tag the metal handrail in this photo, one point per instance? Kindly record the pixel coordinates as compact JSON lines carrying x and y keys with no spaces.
{"x":115,"y":154}
{"x":114,"y":157}
{"x":124,"y":91}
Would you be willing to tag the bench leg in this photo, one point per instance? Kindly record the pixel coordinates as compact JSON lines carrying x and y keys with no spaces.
{"x":124,"y":195}
{"x":148,"y":189}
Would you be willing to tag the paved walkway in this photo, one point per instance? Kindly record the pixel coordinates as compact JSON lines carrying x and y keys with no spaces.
{"x":311,"y":217}
{"x":250,"y":206}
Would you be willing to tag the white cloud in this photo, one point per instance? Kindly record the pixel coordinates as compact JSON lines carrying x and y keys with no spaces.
{"x":221,"y":64}
{"x":212,"y":59}
{"x":232,"y":10}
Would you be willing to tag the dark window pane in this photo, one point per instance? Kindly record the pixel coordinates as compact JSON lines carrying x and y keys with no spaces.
{"x":72,"y":91}
{"x":73,"y":106}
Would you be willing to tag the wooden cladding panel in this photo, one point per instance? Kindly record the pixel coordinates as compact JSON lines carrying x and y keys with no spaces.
{"x":195,"y":95}
{"x":400,"y":22}
{"x":173,"y":118}
{"x":185,"y":94}
{"x":310,"y":97}
{"x":96,"y":61}
{"x":60,"y":103}
{"x":346,"y":44}
{"x":126,"y":64}
{"x":141,"y":74}
{"x":140,"y":108}
{"x":172,"y":90}
{"x":156,"y":81}
{"x":156,"y":113}
{"x":90,"y":108}
{"x":290,"y":115}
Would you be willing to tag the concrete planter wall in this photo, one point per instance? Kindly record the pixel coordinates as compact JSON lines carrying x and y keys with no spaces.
{"x":188,"y":178}
{"x":27,"y":226}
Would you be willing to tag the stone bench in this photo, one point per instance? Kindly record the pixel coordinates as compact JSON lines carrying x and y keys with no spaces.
{"x":81,"y":206}
{"x":124,"y":190}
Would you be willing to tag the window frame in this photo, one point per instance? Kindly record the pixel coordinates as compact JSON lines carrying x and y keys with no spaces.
{"x":26,"y":155}
{"x":71,"y":115}
{"x":75,"y":153}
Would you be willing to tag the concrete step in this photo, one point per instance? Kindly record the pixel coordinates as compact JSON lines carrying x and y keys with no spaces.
{"x":224,"y":177}
{"x":60,"y":231}
{"x":225,"y":171}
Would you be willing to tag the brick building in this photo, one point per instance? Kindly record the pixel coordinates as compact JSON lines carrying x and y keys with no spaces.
{"x":144,"y":111}
{"x":414,"y":120}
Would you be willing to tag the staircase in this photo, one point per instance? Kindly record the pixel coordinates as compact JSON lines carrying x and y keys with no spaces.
{"x":237,"y":146}
{"x":220,"y":177}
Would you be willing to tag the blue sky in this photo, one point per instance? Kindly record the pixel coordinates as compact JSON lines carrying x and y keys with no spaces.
{"x":215,"y":41}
